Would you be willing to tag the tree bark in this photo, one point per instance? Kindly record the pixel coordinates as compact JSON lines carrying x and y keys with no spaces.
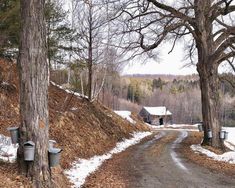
{"x":209,"y":83}
{"x":33,"y":71}
{"x":207,"y":68}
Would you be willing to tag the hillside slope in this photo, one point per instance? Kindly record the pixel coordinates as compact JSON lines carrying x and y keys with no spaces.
{"x":82,"y":129}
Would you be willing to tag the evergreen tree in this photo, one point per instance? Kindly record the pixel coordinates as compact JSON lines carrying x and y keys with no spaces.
{"x":59,"y":34}
{"x":9,"y":27}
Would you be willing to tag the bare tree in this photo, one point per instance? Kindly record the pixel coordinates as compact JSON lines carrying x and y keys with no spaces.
{"x":90,"y":22}
{"x":33,"y":71}
{"x":204,"y":24}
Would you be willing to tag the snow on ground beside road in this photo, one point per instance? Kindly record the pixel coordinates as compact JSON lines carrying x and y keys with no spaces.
{"x":84,"y":167}
{"x":8,"y":151}
{"x":181,"y":125}
{"x":175,"y":127}
{"x":226,"y":157}
{"x":126,"y":115}
{"x":155,"y":126}
{"x":231,"y":135}
{"x":230,"y":143}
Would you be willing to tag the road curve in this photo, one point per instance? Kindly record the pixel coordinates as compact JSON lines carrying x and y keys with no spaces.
{"x":156,"y":163}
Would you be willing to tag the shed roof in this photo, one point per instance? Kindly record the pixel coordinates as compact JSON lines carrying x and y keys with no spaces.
{"x":158,"y":111}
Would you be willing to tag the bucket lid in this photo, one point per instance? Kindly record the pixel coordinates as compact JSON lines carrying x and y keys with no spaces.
{"x":55,"y":150}
{"x":52,"y":141}
{"x":12,"y":128}
{"x":29,"y":143}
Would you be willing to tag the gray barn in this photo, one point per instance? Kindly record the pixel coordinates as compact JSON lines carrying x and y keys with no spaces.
{"x":155,"y":115}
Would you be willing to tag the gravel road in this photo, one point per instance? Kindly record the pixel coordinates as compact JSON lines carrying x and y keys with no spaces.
{"x":155,"y":163}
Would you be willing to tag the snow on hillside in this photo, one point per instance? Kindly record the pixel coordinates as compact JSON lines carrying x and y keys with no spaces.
{"x":8,"y":151}
{"x":126,"y":115}
{"x":69,"y":91}
{"x":84,"y":167}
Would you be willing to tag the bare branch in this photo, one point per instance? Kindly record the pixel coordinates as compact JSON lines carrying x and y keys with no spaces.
{"x":225,"y":34}
{"x":173,"y":11}
{"x":222,"y":11}
{"x":220,"y":50}
{"x":173,"y":46}
{"x":231,"y":64}
{"x":225,"y":57}
{"x":161,"y":37}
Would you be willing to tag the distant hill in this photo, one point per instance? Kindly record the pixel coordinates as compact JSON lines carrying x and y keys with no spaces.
{"x":166,"y":77}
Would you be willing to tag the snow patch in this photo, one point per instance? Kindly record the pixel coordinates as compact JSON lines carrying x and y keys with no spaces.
{"x":126,"y":115}
{"x":174,"y":127}
{"x":231,"y":135}
{"x":8,"y":151}
{"x":226,"y":157}
{"x":181,"y":125}
{"x":69,"y":91}
{"x":84,"y":167}
{"x":174,"y":155}
{"x":154,"y":126}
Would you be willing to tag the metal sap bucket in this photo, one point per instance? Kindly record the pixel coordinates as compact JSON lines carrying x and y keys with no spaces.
{"x":14,"y":131}
{"x":225,"y":135}
{"x":222,"y":134}
{"x":209,"y":133}
{"x":200,"y":127}
{"x":51,"y":143}
{"x":29,"y":150}
{"x":54,"y":156}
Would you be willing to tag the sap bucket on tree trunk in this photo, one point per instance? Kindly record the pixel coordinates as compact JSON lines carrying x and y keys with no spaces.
{"x":209,"y":133}
{"x":14,"y":131}
{"x":51,"y":143}
{"x":225,"y":135}
{"x":200,"y":127}
{"x":29,"y":150}
{"x":54,"y":156}
{"x":222,"y":134}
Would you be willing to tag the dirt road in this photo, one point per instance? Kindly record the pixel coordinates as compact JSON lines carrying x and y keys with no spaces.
{"x":155,"y":163}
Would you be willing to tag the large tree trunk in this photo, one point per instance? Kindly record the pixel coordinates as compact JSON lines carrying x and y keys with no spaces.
{"x":209,"y":84}
{"x":33,"y":71}
{"x":207,"y":68}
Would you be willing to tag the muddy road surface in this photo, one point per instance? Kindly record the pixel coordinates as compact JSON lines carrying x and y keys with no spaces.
{"x":156,"y":163}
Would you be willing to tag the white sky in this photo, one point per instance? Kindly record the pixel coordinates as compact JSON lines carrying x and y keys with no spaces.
{"x":167,"y":64}
{"x":172,"y":63}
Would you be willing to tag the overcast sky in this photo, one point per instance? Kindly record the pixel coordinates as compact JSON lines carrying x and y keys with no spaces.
{"x":172,"y":63}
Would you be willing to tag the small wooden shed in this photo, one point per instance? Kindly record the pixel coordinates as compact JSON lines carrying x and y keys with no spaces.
{"x":155,"y":115}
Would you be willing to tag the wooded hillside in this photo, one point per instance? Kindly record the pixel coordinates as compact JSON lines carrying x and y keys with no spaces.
{"x":82,"y":129}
